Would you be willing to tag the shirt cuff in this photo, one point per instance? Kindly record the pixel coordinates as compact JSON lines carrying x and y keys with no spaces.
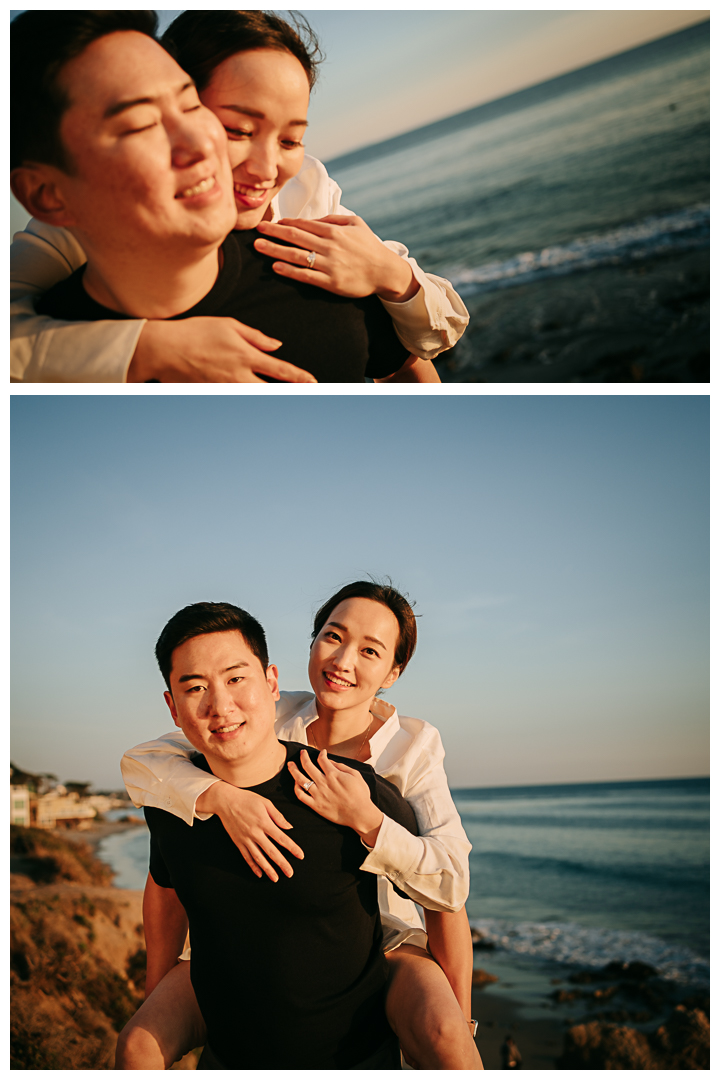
{"x":395,"y":854}
{"x":431,"y":321}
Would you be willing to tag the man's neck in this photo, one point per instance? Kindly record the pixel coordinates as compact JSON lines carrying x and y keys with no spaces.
{"x":256,"y":769}
{"x":156,"y":286}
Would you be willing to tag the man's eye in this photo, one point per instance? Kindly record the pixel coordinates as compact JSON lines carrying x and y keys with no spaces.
{"x":134,"y":131}
{"x":193,"y":108}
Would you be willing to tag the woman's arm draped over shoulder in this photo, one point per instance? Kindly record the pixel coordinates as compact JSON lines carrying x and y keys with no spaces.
{"x":161,"y":773}
{"x":431,"y":321}
{"x":48,"y":350}
{"x":431,"y":868}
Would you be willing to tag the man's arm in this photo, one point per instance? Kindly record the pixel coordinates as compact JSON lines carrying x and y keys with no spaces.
{"x":166,"y":925}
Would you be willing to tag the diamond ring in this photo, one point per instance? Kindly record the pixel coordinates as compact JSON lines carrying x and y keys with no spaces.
{"x":311,"y":259}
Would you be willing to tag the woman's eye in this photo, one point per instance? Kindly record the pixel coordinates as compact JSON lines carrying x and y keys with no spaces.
{"x":193,"y":108}
{"x":237,"y":133}
{"x":290,"y":144}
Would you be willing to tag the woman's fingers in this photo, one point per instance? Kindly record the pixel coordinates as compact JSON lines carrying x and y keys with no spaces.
{"x":297,"y":230}
{"x":298,"y":256}
{"x":312,"y":770}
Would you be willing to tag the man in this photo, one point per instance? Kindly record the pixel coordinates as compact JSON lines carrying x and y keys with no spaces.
{"x":110,"y":140}
{"x":287,"y":974}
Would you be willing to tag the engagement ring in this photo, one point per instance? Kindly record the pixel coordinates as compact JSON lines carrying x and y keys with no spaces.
{"x":311,"y":259}
{"x":307,"y":785}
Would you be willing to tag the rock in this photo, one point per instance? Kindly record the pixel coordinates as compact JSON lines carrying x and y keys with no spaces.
{"x":482,"y":978}
{"x":77,"y":960}
{"x":479,"y":941}
{"x":683,"y":1042}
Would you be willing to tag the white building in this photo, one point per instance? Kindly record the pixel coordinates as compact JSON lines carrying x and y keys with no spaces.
{"x":20,"y":805}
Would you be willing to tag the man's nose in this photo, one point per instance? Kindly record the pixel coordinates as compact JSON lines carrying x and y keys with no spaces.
{"x":218,"y":701}
{"x":191,"y":141}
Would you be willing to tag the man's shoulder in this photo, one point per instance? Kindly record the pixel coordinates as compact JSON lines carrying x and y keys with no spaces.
{"x":68,"y":300}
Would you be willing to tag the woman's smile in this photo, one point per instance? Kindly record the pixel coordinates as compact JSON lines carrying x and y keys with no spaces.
{"x":337,"y":682}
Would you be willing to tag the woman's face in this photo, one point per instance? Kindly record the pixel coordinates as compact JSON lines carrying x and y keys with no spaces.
{"x":354,"y":654}
{"x":261,"y":98}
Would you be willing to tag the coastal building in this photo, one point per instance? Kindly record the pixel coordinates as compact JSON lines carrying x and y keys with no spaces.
{"x":60,"y":808}
{"x":20,"y":804}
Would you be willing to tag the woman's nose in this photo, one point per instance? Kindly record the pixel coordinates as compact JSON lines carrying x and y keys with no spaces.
{"x":262,"y":161}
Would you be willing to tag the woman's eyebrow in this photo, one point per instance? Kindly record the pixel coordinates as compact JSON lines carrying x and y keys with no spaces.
{"x":245,"y":110}
{"x":367,"y":637}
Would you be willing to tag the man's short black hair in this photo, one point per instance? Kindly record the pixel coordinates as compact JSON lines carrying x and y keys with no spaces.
{"x":41,"y":43}
{"x":208,"y":618}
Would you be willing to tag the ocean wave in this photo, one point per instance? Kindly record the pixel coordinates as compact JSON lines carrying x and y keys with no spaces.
{"x":683,"y":230}
{"x":568,"y":943}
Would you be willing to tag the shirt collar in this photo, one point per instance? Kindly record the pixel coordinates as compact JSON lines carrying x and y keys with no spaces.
{"x":295,"y":730}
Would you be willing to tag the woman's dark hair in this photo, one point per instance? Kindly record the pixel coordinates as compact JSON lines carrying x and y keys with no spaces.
{"x":208,"y":618}
{"x":201,"y":40}
{"x":41,"y":43}
{"x":382,"y":594}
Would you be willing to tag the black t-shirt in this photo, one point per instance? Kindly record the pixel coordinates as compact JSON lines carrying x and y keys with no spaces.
{"x":288,"y":974}
{"x":335,"y":338}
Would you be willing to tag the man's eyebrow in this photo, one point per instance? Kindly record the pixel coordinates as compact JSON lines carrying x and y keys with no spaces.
{"x":121,"y":106}
{"x":366,"y":637}
{"x":233,"y":667}
{"x":245,"y":110}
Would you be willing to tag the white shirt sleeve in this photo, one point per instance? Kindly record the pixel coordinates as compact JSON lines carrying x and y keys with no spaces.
{"x":432,"y":868}
{"x":48,"y":350}
{"x":160,"y":773}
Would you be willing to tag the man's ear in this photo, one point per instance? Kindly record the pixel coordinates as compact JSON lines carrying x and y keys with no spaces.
{"x":171,"y":706}
{"x":272,"y":679}
{"x":40,"y":193}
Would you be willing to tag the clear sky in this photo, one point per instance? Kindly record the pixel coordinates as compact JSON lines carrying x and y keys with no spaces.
{"x":388,"y":72}
{"x":556,"y":547}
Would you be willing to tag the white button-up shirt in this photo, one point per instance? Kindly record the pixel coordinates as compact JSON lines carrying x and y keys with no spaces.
{"x":432,"y":868}
{"x":45,"y":350}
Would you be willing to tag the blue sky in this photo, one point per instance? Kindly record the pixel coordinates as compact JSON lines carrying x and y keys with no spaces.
{"x":556,"y":548}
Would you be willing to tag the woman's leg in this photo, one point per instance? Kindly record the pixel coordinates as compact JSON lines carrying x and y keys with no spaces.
{"x":165,"y":1028}
{"x":424,"y":1013}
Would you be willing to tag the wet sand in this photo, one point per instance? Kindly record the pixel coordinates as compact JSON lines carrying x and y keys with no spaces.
{"x":648,"y":322}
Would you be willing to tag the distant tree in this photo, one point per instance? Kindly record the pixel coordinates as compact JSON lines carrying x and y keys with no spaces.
{"x":38,"y":782}
{"x":80,"y":786}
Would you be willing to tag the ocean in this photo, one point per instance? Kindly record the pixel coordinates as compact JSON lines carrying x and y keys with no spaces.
{"x":572,"y":217}
{"x":568,"y":876}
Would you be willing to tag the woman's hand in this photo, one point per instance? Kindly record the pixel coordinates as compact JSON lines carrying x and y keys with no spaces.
{"x":349,"y":258}
{"x":339,"y":794}
{"x":252,"y":823}
{"x":208,"y":349}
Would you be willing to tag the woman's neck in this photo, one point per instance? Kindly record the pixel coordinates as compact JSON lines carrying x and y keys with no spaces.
{"x":346,"y":732}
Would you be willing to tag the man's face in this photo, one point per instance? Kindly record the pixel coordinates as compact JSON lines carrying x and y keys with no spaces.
{"x":222,"y":698}
{"x":150,"y":161}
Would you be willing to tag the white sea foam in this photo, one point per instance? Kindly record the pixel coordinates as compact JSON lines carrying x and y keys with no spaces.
{"x":682,"y":230}
{"x":589,"y":947}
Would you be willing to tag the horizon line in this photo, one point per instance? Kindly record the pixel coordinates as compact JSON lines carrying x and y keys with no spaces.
{"x":578,"y":783}
{"x":379,"y":149}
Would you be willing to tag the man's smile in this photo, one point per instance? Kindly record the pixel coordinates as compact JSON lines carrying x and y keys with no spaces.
{"x":198,"y":189}
{"x":228,"y":729}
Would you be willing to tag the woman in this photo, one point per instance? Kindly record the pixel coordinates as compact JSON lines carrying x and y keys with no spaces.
{"x":363,"y":638}
{"x":240,"y":60}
